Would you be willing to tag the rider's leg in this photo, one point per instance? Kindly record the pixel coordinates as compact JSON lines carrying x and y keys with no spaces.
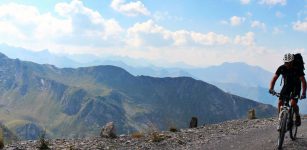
{"x":295,"y":106}
{"x":296,"y":111}
{"x":280,"y":103}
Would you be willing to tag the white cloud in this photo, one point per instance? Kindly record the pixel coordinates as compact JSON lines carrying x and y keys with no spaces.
{"x":258,"y":24}
{"x":247,"y":40}
{"x":210,"y":38}
{"x":150,"y":34}
{"x":78,"y":29}
{"x":236,"y":21}
{"x":85,"y":20}
{"x":24,"y":25}
{"x":7,"y":30}
{"x":130,"y":9}
{"x":245,"y":2}
{"x":273,"y":2}
{"x":300,"y":26}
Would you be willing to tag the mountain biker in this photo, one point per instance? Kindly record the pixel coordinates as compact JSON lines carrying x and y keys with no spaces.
{"x":293,"y":79}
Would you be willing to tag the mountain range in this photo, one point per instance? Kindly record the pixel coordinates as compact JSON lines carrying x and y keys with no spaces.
{"x":77,"y":102}
{"x":237,"y":78}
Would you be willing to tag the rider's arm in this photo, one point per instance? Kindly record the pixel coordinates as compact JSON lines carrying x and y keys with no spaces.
{"x":278,"y":72}
{"x":273,"y":81}
{"x":302,"y":78}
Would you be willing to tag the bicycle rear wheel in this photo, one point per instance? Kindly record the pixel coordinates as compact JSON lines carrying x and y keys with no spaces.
{"x":293,"y":128}
{"x":283,"y":129}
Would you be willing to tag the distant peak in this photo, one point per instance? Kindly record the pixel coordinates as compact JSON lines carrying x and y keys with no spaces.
{"x":2,"y":55}
{"x":234,"y":63}
{"x":107,"y":68}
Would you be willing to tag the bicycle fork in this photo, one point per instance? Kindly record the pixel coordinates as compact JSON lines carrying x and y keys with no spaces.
{"x":282,"y":110}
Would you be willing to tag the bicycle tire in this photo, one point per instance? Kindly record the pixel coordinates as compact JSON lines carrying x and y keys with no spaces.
{"x":293,"y":128}
{"x":283,"y":129}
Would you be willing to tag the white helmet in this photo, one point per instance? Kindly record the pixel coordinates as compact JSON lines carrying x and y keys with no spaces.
{"x":288,"y":57}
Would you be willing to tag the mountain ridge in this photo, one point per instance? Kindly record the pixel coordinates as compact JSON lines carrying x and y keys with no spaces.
{"x":66,"y":101}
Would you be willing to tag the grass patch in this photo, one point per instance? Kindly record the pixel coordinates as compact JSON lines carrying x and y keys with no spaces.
{"x":156,"y":137}
{"x":137,"y":135}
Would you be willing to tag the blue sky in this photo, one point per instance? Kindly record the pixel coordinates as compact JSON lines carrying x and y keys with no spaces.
{"x":195,"y":32}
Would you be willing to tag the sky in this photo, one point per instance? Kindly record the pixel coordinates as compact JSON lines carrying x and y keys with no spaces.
{"x":164,"y":33}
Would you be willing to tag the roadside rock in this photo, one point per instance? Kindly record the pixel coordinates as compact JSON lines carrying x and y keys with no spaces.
{"x":108,"y":131}
{"x":193,"y":122}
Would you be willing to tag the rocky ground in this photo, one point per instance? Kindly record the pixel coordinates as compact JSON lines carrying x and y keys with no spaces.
{"x":236,"y":134}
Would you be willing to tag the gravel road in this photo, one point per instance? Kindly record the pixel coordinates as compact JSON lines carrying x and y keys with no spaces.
{"x":264,"y":138}
{"x":257,"y":134}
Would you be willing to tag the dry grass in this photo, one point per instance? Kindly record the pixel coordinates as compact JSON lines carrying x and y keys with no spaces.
{"x":156,"y":137}
{"x":154,"y":133}
{"x":137,"y":135}
{"x":43,"y":143}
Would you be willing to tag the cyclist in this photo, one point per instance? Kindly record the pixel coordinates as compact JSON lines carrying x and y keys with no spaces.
{"x":293,"y":80}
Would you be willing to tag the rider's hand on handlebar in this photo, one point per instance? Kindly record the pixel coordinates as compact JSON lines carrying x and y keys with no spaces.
{"x":303,"y":96}
{"x":271,"y":91}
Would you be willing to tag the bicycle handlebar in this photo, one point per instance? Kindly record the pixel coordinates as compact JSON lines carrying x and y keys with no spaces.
{"x":285,"y":96}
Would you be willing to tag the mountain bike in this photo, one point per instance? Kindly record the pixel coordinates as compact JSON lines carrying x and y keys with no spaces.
{"x":286,"y":120}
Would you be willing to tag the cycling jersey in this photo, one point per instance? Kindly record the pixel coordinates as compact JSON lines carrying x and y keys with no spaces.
{"x":291,"y":77}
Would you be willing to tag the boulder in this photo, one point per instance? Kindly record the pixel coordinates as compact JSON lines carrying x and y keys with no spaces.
{"x":251,"y":114}
{"x":108,"y":131}
{"x":193,"y":122}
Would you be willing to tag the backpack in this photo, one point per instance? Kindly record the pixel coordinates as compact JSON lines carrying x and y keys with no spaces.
{"x":298,"y":62}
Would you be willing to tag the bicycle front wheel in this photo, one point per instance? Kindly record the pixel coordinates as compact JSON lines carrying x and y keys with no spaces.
{"x":283,"y":128}
{"x":293,"y":127}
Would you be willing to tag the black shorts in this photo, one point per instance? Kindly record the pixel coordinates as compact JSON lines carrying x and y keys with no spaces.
{"x":291,"y":91}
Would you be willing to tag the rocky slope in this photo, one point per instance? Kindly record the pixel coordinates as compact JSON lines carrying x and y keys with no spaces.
{"x":236,"y":134}
{"x":74,"y":103}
